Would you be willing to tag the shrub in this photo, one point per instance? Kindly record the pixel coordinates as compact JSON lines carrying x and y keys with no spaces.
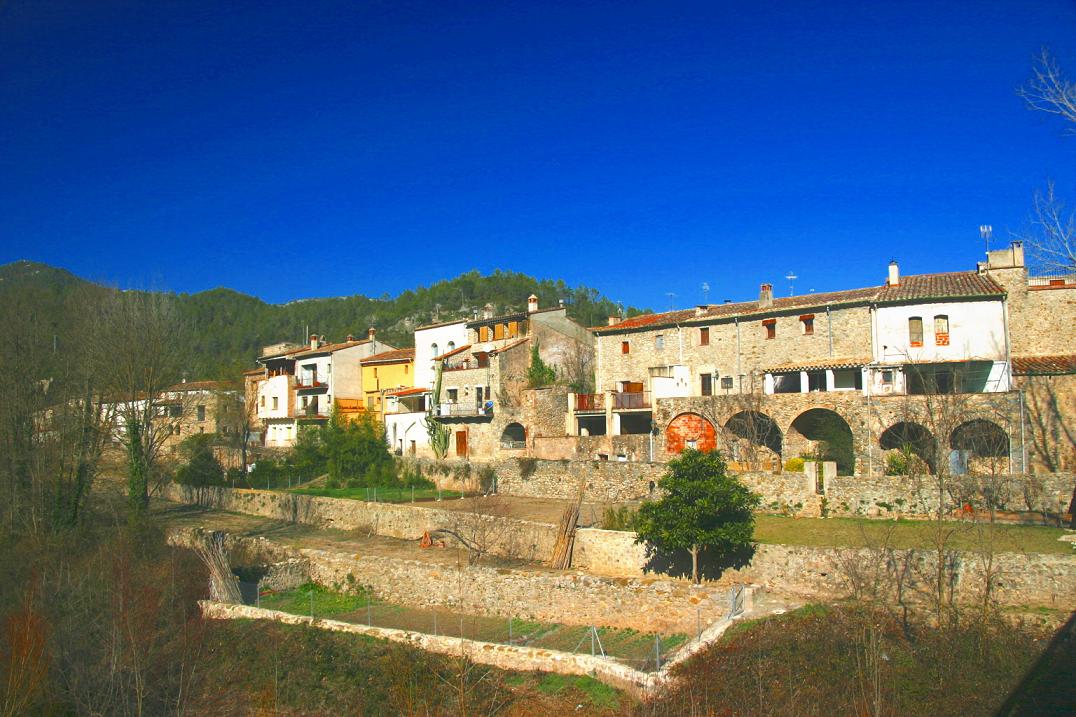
{"x":618,"y":518}
{"x":202,"y":467}
{"x":794,"y":465}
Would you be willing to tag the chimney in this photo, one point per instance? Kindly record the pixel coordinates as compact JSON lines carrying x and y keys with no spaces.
{"x":370,"y":332}
{"x":487,"y":311}
{"x":765,"y":295}
{"x":532,"y":304}
{"x":313,"y":341}
{"x":894,"y":274}
{"x":614,"y":320}
{"x":700,"y":310}
{"x":350,"y":338}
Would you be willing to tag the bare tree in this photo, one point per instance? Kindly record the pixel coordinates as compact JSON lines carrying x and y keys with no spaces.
{"x":1052,"y":238}
{"x":748,"y":435}
{"x":136,"y":337}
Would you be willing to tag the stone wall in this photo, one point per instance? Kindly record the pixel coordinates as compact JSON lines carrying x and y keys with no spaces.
{"x":606,"y":481}
{"x":812,"y":573}
{"x":506,"y":657}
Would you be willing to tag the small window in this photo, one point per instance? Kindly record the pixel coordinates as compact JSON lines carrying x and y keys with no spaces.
{"x":659,"y":342}
{"x":405,"y":369}
{"x":453,"y":394}
{"x":726,"y":382}
{"x":887,"y":377}
{"x":201,"y":413}
{"x":704,"y":336}
{"x":625,"y":347}
{"x":499,"y":331}
{"x":707,"y":384}
{"x":276,"y":402}
{"x":915,"y":331}
{"x":262,"y":401}
{"x":941,"y":330}
{"x":451,"y":347}
{"x":433,"y":350}
{"x":807,"y":324}
{"x":770,"y":325}
{"x":483,"y":333}
{"x":306,"y":401}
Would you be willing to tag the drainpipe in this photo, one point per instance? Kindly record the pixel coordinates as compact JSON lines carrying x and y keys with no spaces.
{"x":739,"y":369}
{"x":1023,"y":443}
{"x":829,"y":329}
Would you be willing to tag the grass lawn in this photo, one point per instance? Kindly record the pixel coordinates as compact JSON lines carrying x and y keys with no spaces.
{"x":382,"y":495}
{"x":854,"y":532}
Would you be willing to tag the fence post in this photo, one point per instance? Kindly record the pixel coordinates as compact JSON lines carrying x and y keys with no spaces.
{"x":369,"y":615}
{"x":657,"y":651}
{"x":258,"y":594}
{"x":412,"y":494}
{"x":509,"y":630}
{"x":592,"y":634}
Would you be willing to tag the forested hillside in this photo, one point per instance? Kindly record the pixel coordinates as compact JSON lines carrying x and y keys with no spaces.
{"x":223,"y":329}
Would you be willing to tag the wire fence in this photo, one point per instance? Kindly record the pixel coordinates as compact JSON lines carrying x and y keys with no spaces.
{"x":644,"y":651}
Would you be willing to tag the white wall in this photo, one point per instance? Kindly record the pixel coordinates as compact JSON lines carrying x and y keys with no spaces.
{"x":278,"y":387}
{"x":976,"y":331}
{"x":402,"y":428}
{"x":455,"y":333}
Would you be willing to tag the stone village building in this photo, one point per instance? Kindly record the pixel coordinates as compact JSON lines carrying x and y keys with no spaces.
{"x":872,"y":370}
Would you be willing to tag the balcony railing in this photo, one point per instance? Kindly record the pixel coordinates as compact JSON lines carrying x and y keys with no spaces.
{"x":465,"y":409}
{"x":590,"y":402}
{"x":631,"y":401}
{"x":513,"y":445}
{"x":302,"y":382}
{"x":465,"y":364}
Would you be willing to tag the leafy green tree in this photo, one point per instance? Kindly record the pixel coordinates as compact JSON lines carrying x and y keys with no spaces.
{"x":356,"y":453}
{"x":702,"y":507}
{"x":202,"y":467}
{"x":539,"y":373}
{"x":307,"y":458}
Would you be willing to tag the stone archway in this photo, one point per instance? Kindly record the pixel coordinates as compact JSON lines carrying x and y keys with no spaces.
{"x":752,"y":437}
{"x":910,"y":439}
{"x":826,"y":434}
{"x":514,"y":436}
{"x":979,"y":445}
{"x":690,"y":430}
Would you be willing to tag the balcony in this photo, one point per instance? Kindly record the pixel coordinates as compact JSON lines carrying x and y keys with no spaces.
{"x":590,"y":403}
{"x":631,"y":401}
{"x":306,"y":383}
{"x":466,"y":364}
{"x":310,"y":412}
{"x":464,"y":410}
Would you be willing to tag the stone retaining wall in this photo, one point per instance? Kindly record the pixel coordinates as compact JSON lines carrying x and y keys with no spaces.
{"x":506,"y":657}
{"x":811,"y":573}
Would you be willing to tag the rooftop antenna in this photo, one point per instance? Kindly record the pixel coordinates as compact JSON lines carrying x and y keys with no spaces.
{"x":986,"y":231}
{"x":672,"y":299}
{"x":791,"y":286}
{"x":706,"y":292}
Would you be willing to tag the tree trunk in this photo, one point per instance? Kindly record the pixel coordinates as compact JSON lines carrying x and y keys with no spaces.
{"x":694,"y":549}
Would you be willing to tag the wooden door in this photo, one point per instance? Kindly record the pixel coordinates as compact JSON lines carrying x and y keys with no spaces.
{"x":461,"y":444}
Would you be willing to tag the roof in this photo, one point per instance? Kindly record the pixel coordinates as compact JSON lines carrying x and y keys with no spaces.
{"x":439,"y":324}
{"x":329,"y":348}
{"x":253,"y":371}
{"x":513,"y":316}
{"x":1044,"y":365}
{"x":508,"y":347}
{"x":453,"y":352}
{"x":391,"y":356}
{"x":195,"y":386}
{"x":402,"y":392}
{"x":952,"y":285}
{"x":816,"y":364}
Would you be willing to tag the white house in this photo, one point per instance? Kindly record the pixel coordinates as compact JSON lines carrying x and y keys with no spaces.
{"x":432,"y":341}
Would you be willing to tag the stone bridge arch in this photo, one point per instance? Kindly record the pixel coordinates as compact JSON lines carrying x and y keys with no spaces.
{"x":825,"y":433}
{"x":912,"y":439}
{"x":753,"y":439}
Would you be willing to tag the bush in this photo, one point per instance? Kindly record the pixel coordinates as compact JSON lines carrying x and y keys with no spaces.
{"x":622,"y":518}
{"x":202,"y":467}
{"x":794,"y":465}
{"x":356,"y":454}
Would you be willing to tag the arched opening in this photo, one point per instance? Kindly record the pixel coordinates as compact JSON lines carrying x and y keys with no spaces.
{"x":913,"y":449}
{"x":690,"y":430}
{"x":753,"y":439}
{"x":514,"y":437}
{"x":823,"y":434}
{"x":979,"y":445}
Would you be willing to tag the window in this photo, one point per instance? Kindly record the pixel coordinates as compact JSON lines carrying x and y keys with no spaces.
{"x":405,"y":369}
{"x":453,"y":394}
{"x":707,"y":384}
{"x":175,"y":410}
{"x":201,"y":413}
{"x":770,"y":325}
{"x":262,"y":401}
{"x":513,"y":329}
{"x":276,"y":402}
{"x":704,"y":336}
{"x":483,"y":333}
{"x":887,"y":377}
{"x":625,"y":347}
{"x":807,"y":324}
{"x":659,"y":342}
{"x":726,"y":382}
{"x":451,"y":347}
{"x":433,"y":349}
{"x":941,"y":330}
{"x":499,"y":331}
{"x":306,"y":401}
{"x":915,"y":331}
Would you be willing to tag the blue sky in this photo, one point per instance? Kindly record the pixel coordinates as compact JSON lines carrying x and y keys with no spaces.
{"x":290,"y":150}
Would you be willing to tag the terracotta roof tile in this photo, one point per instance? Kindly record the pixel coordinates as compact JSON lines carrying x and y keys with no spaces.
{"x":391,"y":356}
{"x":815,"y":364}
{"x":453,"y":352}
{"x":1044,"y":365}
{"x":960,"y":284}
{"x":401,"y":392}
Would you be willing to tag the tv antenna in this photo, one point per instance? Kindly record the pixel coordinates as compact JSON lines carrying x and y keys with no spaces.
{"x":791,"y":287}
{"x":986,"y":231}
{"x":672,"y":299}
{"x":706,"y":292}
